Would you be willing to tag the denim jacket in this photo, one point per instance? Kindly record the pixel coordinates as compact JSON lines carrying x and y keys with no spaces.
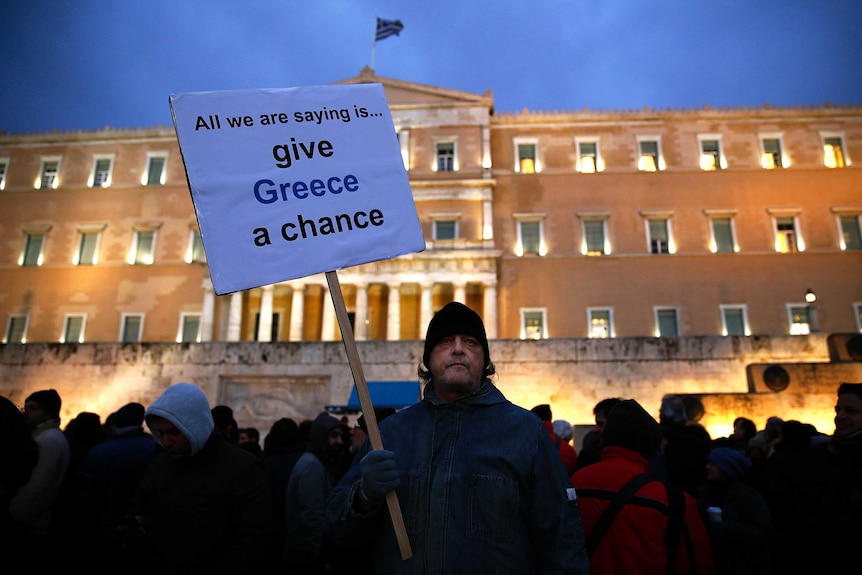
{"x":483,"y":489}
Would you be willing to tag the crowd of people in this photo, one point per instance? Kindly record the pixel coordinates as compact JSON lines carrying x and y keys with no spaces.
{"x":483,"y":485}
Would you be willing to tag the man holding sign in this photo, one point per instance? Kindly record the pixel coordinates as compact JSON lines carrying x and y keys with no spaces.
{"x":481,"y":484}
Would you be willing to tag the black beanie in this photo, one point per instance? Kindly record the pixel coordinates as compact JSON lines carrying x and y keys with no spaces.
{"x":630,"y":426}
{"x":130,"y":415}
{"x":543,"y":411}
{"x":455,"y":318}
{"x":49,"y":400}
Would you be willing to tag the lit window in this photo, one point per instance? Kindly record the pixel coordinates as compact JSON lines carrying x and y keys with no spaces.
{"x":530,"y":238}
{"x":851,"y":232}
{"x":190,"y":328}
{"x":588,"y":158}
{"x":667,"y":322}
{"x":711,"y":157}
{"x":143,"y":247}
{"x":34,"y":245}
{"x":533,"y":323}
{"x":526,"y":154}
{"x":833,"y":152}
{"x":594,"y":242}
{"x":49,"y":174}
{"x":445,"y":157}
{"x":132,"y":327}
{"x":734,"y":320}
{"x":404,"y":146}
{"x":658,"y":230}
{"x":155,"y":174}
{"x":799,"y":317}
{"x":88,"y":248}
{"x":649,"y":154}
{"x":101,"y":176}
{"x":16,"y":329}
{"x":857,"y":311}
{"x":4,"y":166}
{"x":195,"y":253}
{"x":771,"y":155}
{"x":73,"y":328}
{"x":786,"y":237}
{"x":601,"y":322}
{"x":722,"y":240}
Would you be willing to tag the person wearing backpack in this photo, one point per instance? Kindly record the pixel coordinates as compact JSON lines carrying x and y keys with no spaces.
{"x":633,"y":522}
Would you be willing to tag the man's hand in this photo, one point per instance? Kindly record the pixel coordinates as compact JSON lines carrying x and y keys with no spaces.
{"x":379,"y":476}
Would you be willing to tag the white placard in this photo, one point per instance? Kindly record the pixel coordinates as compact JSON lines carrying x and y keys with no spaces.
{"x":292,"y":182}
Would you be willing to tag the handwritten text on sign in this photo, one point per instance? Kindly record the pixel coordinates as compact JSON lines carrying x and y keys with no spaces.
{"x":292,"y":182}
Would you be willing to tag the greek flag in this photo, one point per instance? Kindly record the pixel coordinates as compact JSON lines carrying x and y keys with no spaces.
{"x":387,"y":28}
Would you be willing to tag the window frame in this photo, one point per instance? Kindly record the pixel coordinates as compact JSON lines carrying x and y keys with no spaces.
{"x":54,"y":182}
{"x":721,"y":163}
{"x":193,"y":254}
{"x":29,"y":259}
{"x":520,"y":221}
{"x":136,"y":257}
{"x":527,"y":141}
{"x":106,"y":183}
{"x":151,"y":157}
{"x":857,"y":311}
{"x":403,"y":135}
{"x":657,"y":314}
{"x":743,"y":309}
{"x":844,"y":160}
{"x":11,"y":323}
{"x":660,"y":165}
{"x":667,"y":218}
{"x":543,"y":328}
{"x":779,"y":236}
{"x":181,"y":328}
{"x":592,"y":219}
{"x":124,"y":320}
{"x":714,"y":216}
{"x":793,"y":327}
{"x":840,"y":217}
{"x":770,"y":164}
{"x":67,"y":320}
{"x":580,"y":156}
{"x":4,"y":171}
{"x":610,"y":325}
{"x":438,"y":157}
{"x":83,"y":232}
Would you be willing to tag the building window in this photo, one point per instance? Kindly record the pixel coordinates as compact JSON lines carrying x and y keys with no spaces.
{"x":101,"y":175}
{"x":155,"y":174}
{"x":857,"y":311}
{"x":526,"y":154}
{"x":88,"y":248}
{"x":659,"y":236}
{"x":666,"y":322}
{"x":16,"y":329}
{"x":722,"y":240}
{"x":131,"y":327}
{"x":445,"y":157}
{"x":4,"y":167}
{"x":734,"y":320}
{"x":595,"y":237}
{"x":533,"y":324}
{"x":771,"y":154}
{"x":73,"y":328}
{"x":711,"y":157}
{"x":530,"y":235}
{"x":195,"y":253}
{"x":786,"y":237}
{"x":649,"y":154}
{"x":404,"y":146}
{"x":34,"y":246}
{"x":851,"y":232}
{"x":143,"y":247}
{"x":588,"y":158}
{"x":190,"y":328}
{"x":799,"y":318}
{"x":49,"y":174}
{"x":834,"y":155}
{"x":601,"y":322}
{"x":445,"y":230}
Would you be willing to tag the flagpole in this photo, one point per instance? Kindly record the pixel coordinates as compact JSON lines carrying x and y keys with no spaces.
{"x":373,"y":45}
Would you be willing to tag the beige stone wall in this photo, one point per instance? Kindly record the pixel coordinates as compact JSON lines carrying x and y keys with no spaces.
{"x":265,"y":381}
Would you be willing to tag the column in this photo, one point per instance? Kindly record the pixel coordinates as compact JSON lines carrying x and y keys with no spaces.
{"x":460,"y":292}
{"x":360,"y":332}
{"x":297,"y":308}
{"x":208,"y":311}
{"x":489,"y":310}
{"x":327,"y":331}
{"x":393,"y":319}
{"x":426,"y":311}
{"x":264,"y":326}
{"x":234,"y":316}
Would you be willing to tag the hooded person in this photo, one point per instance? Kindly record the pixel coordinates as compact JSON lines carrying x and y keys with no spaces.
{"x":567,"y":452}
{"x":211,"y":495}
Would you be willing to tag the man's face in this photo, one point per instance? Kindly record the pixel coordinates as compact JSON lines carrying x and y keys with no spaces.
{"x":175,"y":443}
{"x":336,"y":440}
{"x":357,"y":438}
{"x":34,"y":414}
{"x":457,"y":362}
{"x":848,"y":414}
{"x":601,"y":420}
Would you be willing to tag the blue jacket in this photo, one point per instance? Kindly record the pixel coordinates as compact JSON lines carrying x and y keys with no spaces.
{"x":482,"y":489}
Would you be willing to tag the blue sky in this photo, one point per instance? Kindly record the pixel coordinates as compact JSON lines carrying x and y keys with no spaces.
{"x":94,"y":63}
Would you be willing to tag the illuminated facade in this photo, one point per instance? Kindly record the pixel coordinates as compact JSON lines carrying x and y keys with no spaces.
{"x":553,"y":225}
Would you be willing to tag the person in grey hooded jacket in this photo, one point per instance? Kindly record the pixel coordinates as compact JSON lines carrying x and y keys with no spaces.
{"x":203,"y":504}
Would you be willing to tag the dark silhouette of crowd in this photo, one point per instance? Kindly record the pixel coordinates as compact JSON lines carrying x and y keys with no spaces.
{"x":174,"y":487}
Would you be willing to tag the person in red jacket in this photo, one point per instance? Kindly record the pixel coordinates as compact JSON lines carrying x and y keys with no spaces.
{"x":567,"y":452}
{"x":650,"y":527}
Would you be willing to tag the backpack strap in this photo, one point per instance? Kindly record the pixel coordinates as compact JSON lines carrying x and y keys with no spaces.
{"x":676,"y":524}
{"x":604,"y":522}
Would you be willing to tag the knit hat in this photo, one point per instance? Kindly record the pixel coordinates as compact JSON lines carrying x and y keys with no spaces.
{"x":563,"y":429}
{"x":186,"y":406}
{"x":380,"y":413}
{"x":631,"y":427}
{"x":732,"y":462}
{"x":455,"y":318}
{"x":130,"y":415}
{"x":543,"y":411}
{"x":48,"y":399}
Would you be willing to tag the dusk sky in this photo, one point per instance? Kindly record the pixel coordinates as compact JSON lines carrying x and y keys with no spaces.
{"x":89,"y":64}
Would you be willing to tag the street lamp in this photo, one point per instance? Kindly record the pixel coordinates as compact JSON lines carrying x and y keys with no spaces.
{"x":810,"y":298}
